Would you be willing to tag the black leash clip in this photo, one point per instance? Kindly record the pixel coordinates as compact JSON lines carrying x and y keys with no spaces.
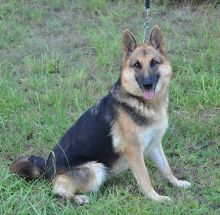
{"x":146,"y":23}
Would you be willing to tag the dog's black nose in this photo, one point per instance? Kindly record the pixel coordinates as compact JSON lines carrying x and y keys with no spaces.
{"x":151,"y":81}
{"x":147,"y":84}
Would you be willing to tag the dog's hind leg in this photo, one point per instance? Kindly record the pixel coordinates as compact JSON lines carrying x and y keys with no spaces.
{"x":84,"y":178}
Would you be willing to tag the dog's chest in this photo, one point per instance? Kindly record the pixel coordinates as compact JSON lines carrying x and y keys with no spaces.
{"x":151,"y":134}
{"x":125,"y":132}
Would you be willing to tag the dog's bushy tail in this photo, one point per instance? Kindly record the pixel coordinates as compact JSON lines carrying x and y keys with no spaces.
{"x":31,"y":167}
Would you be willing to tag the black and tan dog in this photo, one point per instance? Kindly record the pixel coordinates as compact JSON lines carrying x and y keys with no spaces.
{"x":117,"y":132}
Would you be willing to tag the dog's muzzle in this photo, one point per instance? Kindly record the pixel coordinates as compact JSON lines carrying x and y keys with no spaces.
{"x":148,"y":85}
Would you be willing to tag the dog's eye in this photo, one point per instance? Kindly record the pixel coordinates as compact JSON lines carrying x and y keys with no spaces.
{"x":154,"y":63}
{"x":137,"y":65}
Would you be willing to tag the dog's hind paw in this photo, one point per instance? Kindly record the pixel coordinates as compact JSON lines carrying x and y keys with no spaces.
{"x":81,"y":199}
{"x":183,"y":184}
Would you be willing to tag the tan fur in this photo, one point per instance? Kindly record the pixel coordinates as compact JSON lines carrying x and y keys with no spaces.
{"x":84,"y":178}
{"x":131,"y":140}
{"x":128,"y":74}
{"x":119,"y":166}
{"x":64,"y":186}
{"x":127,"y":141}
{"x":135,"y":159}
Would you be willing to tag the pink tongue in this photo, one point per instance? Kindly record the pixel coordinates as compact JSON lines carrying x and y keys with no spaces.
{"x":148,"y":94}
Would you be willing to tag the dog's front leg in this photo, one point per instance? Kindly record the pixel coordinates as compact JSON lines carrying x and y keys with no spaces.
{"x":158,"y":156}
{"x":135,"y":159}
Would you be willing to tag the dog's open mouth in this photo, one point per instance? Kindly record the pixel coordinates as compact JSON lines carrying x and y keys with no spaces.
{"x":149,"y":94}
{"x":148,"y":85}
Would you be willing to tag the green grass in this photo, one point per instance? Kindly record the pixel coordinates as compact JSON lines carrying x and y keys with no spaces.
{"x":59,"y":57}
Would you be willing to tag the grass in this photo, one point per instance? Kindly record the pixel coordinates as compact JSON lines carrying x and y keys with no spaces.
{"x":59,"y":57}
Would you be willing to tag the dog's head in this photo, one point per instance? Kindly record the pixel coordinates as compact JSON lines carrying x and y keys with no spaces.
{"x":146,"y":70}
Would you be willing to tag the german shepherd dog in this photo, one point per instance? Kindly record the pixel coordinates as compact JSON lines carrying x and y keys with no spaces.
{"x":116,"y":133}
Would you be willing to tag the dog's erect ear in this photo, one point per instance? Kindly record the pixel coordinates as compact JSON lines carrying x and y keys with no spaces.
{"x":129,"y":42}
{"x":156,"y":39}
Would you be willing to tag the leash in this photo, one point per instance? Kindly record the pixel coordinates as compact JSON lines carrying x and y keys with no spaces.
{"x":146,"y":23}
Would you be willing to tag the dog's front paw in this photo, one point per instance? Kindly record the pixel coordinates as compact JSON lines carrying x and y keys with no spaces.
{"x":183,"y":184}
{"x":156,"y":197}
{"x":163,"y":199}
